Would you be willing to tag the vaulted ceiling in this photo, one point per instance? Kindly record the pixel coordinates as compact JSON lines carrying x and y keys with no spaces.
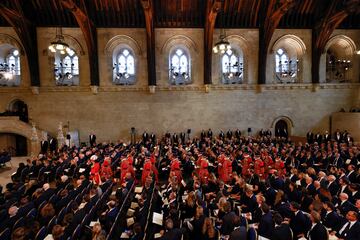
{"x":175,"y":13}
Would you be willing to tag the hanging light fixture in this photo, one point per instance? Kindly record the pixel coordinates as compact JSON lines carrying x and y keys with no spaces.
{"x":59,"y":45}
{"x":223,"y":45}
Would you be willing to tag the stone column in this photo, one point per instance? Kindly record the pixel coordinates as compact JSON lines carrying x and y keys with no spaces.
{"x":60,"y":136}
{"x":35,"y":143}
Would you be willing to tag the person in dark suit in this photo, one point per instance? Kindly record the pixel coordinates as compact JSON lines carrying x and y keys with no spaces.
{"x":344,"y":204}
{"x":47,"y":193}
{"x":351,"y":175}
{"x":237,"y":133}
{"x":318,"y":138}
{"x":317,"y":230}
{"x":330,"y":218}
{"x":298,"y":221}
{"x":111,"y":215}
{"x":282,"y":229}
{"x":92,"y":140}
{"x":210,"y":133}
{"x":351,"y":229}
{"x":239,"y":231}
{"x":326,"y":137}
{"x":44,"y":144}
{"x":354,"y":192}
{"x":266,"y":225}
{"x":171,"y":232}
{"x":228,"y":220}
{"x":337,"y":136}
{"x":53,"y":144}
{"x":337,"y":161}
{"x":332,"y":185}
{"x":310,"y":137}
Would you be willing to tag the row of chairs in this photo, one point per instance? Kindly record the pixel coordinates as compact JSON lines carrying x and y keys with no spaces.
{"x":120,"y":216}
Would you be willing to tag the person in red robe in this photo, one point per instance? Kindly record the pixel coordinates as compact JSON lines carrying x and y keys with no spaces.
{"x":225,"y":170}
{"x":95,"y":170}
{"x":126,"y":166}
{"x":246,"y":165}
{"x":203,"y":171}
{"x":175,"y":169}
{"x":259,"y":167}
{"x":279,"y":165}
{"x":106,"y":171}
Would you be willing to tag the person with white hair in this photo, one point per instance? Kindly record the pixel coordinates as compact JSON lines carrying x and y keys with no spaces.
{"x":344,"y":204}
{"x":332,"y":185}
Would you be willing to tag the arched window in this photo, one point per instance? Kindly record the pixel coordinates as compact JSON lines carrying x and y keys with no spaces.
{"x":179,"y":67}
{"x":124,"y":68}
{"x":66,"y":68}
{"x":338,"y":68}
{"x":10,"y":69}
{"x":286,"y":68}
{"x":232,"y":67}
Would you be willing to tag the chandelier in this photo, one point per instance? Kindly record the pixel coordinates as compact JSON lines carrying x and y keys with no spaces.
{"x":59,"y":45}
{"x":223,"y":45}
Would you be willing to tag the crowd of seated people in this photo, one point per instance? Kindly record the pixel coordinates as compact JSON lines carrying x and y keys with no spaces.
{"x":228,"y":186}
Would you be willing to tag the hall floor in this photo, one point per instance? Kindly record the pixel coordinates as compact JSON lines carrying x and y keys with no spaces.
{"x":8,"y":169}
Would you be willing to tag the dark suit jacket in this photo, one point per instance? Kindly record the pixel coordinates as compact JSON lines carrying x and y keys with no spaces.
{"x":92,"y":139}
{"x":298,"y":223}
{"x":333,"y":188}
{"x":53,"y":144}
{"x":318,"y":232}
{"x":332,"y":220}
{"x":266,"y":225}
{"x":44,"y":146}
{"x":228,"y":223}
{"x":352,"y":234}
{"x":173,"y":234}
{"x":345,"y":207}
{"x":282,"y":232}
{"x":352,"y":177}
{"x":239,"y":233}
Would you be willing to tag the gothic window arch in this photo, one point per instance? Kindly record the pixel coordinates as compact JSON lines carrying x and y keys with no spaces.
{"x":124,"y":67}
{"x":9,"y":66}
{"x":179,"y":66}
{"x":66,"y":68}
{"x":340,"y":51}
{"x":286,"y":66}
{"x":232,"y":67}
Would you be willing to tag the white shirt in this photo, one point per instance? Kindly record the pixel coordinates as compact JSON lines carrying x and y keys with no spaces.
{"x":345,"y":225}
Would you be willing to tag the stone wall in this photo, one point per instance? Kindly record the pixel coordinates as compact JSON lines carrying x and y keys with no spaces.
{"x":347,"y":121}
{"x":111,"y":114}
{"x":115,"y":109}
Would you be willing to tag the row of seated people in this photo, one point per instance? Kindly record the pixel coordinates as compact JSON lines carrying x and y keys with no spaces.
{"x":222,"y":186}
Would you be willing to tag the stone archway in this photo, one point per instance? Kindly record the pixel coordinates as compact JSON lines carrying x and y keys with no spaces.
{"x":12,"y":124}
{"x":285,"y":119}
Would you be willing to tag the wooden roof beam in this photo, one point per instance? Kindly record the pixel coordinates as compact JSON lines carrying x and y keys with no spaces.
{"x":26,"y":32}
{"x":89,"y":31}
{"x":148,"y":7}
{"x":325,"y":27}
{"x":212,"y":9}
{"x":275,"y":10}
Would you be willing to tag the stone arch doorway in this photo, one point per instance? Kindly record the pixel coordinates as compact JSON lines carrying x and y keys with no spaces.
{"x":282,"y":125}
{"x":281,"y":129}
{"x":12,"y":125}
{"x":19,"y":108}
